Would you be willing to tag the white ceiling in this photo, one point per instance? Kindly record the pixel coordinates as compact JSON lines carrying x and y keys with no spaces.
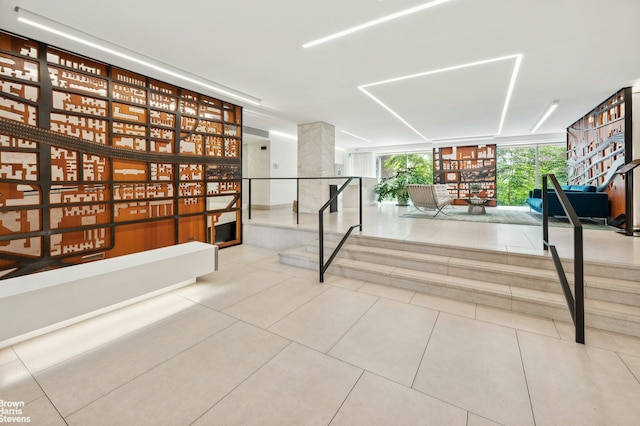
{"x":577,"y":52}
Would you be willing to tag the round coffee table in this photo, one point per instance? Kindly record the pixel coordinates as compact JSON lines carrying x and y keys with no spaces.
{"x":476,"y":205}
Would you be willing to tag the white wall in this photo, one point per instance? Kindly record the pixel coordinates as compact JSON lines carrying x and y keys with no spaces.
{"x":284,"y":163}
{"x":256,"y":163}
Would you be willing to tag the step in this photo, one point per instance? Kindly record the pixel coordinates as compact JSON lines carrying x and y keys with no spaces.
{"x":503,"y":273}
{"x":596,"y":287}
{"x":431,"y":274}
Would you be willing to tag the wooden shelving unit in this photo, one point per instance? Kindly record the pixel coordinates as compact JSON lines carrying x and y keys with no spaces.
{"x":598,"y":142}
{"x":461,"y":166}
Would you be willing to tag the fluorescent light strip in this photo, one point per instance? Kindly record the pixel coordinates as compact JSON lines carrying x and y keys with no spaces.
{"x":547,"y":112}
{"x":512,"y":82}
{"x":392,"y":112}
{"x":355,"y":136}
{"x":283,"y":134}
{"x":463,"y":139}
{"x":51,"y":26}
{"x":374,"y":22}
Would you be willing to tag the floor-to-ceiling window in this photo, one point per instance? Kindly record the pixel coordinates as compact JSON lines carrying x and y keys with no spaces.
{"x":421,"y":162}
{"x":520,"y":169}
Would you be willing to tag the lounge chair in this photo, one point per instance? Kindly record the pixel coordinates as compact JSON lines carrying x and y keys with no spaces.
{"x":432,"y":197}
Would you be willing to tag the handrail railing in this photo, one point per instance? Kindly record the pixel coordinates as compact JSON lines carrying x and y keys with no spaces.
{"x":322,"y":266}
{"x":575,"y":302}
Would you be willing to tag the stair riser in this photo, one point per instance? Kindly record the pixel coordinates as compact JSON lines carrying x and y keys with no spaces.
{"x":508,"y":278}
{"x":623,"y":272}
{"x":614,"y":296}
{"x":495,"y":276}
{"x":523,"y":281}
{"x":616,"y":325}
{"x":464,"y":295}
{"x":399,"y":262}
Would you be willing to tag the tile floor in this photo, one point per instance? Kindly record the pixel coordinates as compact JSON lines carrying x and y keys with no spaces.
{"x":258,"y":342}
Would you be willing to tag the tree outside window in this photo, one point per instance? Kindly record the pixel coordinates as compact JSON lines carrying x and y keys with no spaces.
{"x":516,"y":171}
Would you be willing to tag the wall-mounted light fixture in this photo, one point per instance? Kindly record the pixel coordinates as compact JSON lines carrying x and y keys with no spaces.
{"x":547,"y":112}
{"x":27,"y":17}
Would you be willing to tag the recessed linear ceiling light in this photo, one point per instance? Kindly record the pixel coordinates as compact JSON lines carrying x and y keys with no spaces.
{"x":283,"y":134}
{"x":512,"y":82}
{"x":78,"y":36}
{"x":547,"y":112}
{"x":355,"y":136}
{"x":374,"y":22}
{"x":463,"y":139}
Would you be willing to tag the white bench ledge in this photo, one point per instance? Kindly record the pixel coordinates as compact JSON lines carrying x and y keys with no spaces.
{"x":41,"y":302}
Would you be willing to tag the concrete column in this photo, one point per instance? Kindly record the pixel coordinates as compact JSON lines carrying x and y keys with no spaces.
{"x":316,"y":157}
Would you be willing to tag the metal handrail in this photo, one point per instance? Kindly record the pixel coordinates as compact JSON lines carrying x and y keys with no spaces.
{"x":575,"y":302}
{"x":322,"y":266}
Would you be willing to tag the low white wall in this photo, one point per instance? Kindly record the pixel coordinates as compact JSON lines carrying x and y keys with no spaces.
{"x":34,"y":304}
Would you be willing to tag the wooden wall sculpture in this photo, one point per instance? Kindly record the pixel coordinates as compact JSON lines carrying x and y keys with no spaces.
{"x":600,"y":143}
{"x":97,"y":161}
{"x":461,"y":166}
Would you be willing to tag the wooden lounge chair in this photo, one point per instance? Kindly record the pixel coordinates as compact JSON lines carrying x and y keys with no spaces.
{"x":432,"y":197}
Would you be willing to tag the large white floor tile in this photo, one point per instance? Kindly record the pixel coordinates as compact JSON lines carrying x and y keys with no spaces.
{"x":73,"y":384}
{"x":386,"y":291}
{"x":516,"y":320}
{"x":321,"y":322}
{"x":7,"y":355}
{"x":269,"y":306}
{"x":475,"y":420}
{"x":297,"y":387}
{"x":50,"y":349}
{"x":42,"y":412}
{"x":17,"y":384}
{"x":187,"y":385}
{"x":633,"y":362}
{"x":348,"y":283}
{"x":602,"y":339}
{"x":378,"y":401}
{"x":388,"y":340}
{"x":476,"y":366}
{"x":570,"y":383}
{"x":228,"y":293}
{"x":451,"y":306}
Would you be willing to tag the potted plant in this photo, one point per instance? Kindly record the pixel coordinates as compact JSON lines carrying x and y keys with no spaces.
{"x":475,"y":188}
{"x":396,"y":186}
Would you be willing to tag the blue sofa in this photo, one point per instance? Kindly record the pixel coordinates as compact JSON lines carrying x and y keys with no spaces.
{"x":584,"y":199}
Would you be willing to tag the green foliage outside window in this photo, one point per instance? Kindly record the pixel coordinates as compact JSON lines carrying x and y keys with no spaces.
{"x":401,"y":170}
{"x":516,"y":171}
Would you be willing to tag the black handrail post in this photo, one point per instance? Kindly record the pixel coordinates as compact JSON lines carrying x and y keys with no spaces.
{"x":321,"y":244}
{"x":249,"y":199}
{"x":297,"y":201}
{"x":360,"y":201}
{"x":545,"y":213}
{"x":578,"y":283}
{"x":575,"y":301}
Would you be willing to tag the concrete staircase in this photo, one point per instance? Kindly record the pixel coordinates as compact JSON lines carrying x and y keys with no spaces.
{"x":516,"y":282}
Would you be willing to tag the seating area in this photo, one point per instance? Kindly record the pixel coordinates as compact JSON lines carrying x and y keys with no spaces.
{"x":430,"y":197}
{"x":586,"y":201}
